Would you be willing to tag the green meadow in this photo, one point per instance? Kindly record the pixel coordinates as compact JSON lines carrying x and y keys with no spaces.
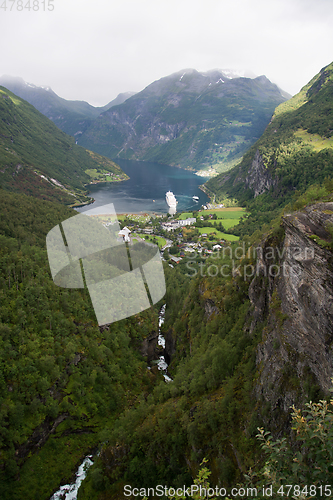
{"x":160,"y":241}
{"x":148,"y":237}
{"x":185,"y":215}
{"x":219,"y":234}
{"x":229,"y":217}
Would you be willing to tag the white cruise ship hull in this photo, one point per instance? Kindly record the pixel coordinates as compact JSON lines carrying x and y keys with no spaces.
{"x":170,"y":199}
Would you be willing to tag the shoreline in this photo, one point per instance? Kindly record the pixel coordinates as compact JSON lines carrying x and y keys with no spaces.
{"x":107,"y":182}
{"x":83,"y":204}
{"x":203,"y":189}
{"x":141,"y":214}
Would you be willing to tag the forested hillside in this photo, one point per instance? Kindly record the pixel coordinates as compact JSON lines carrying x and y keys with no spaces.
{"x":62,"y":378}
{"x":295,"y":151}
{"x":38,"y":159}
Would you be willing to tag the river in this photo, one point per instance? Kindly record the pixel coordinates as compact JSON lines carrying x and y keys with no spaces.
{"x":143,"y":192}
{"x":69,"y":491}
{"x":162,"y":364}
{"x":146,"y":188}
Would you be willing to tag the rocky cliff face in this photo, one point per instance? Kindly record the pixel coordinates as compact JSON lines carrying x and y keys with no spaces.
{"x":170,"y":346}
{"x":293,"y":293}
{"x":258,"y":178}
{"x":149,"y":347}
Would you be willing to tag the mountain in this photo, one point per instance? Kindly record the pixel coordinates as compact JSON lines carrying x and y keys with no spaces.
{"x":295,"y":151}
{"x":39,"y":159}
{"x":72,"y":117}
{"x":248,"y":334}
{"x":189,"y":119}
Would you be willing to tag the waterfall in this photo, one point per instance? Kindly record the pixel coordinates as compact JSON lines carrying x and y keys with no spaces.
{"x":69,"y":491}
{"x":162,"y":364}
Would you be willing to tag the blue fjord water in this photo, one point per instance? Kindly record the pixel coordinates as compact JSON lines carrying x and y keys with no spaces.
{"x":149,"y":181}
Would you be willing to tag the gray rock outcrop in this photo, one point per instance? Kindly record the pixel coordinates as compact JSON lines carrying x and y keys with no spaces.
{"x":293,"y":292}
{"x":259,"y":178}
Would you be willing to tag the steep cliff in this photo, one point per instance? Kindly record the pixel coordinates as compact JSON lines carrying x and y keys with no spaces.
{"x":292,"y":293}
{"x":295,"y":150}
{"x":258,"y":178}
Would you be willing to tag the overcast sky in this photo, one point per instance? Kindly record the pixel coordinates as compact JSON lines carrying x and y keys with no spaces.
{"x":94,"y":49}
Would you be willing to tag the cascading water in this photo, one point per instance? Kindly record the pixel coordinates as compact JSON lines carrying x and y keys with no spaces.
{"x":69,"y":491}
{"x":162,"y":364}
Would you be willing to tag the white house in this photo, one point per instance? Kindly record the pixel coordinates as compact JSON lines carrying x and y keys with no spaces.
{"x":176,"y":224}
{"x":125,"y":232}
{"x":169,"y":226}
{"x":187,"y":222}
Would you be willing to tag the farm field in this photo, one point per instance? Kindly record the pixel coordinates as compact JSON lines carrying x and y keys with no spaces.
{"x":227,"y":213}
{"x":229,"y":217}
{"x":185,"y":215}
{"x":160,"y":241}
{"x":219,"y":234}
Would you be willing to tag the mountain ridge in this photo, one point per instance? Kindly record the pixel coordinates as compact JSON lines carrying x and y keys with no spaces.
{"x":70,"y":116}
{"x":189,"y":119}
{"x":295,"y":150}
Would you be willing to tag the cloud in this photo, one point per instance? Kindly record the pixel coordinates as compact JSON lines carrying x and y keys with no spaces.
{"x":95,"y":50}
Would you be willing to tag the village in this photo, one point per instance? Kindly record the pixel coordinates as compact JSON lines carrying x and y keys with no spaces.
{"x":182,"y":235}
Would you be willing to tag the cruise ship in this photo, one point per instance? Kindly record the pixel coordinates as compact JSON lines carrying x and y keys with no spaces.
{"x":170,"y":199}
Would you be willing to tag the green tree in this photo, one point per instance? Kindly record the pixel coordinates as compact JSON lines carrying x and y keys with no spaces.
{"x":308,"y":466}
{"x":202,"y":483}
